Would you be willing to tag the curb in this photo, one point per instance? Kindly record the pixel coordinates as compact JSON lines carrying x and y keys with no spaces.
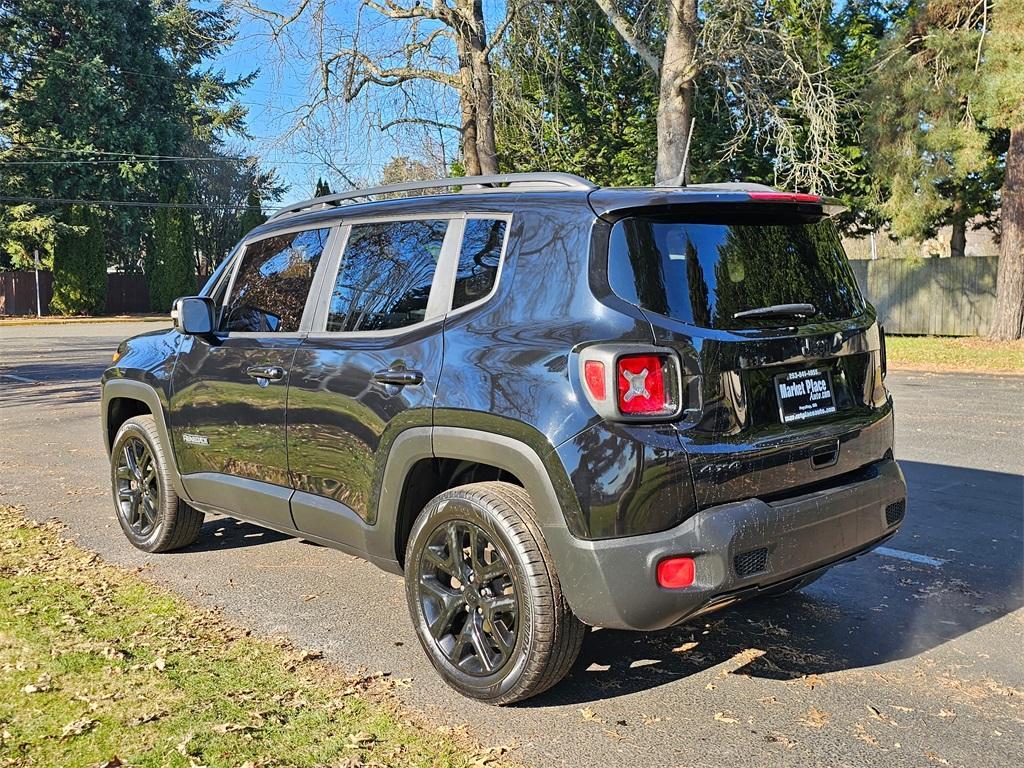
{"x":83,"y":320}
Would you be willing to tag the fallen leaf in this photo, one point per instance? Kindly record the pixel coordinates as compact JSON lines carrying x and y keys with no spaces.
{"x":590,"y":716}
{"x":611,"y":734}
{"x":723,"y":718}
{"x":684,"y":647}
{"x":361,"y":739}
{"x":223,"y":728}
{"x":114,"y":762}
{"x":947,"y":713}
{"x":311,"y":655}
{"x":815,"y":718}
{"x":159,"y":664}
{"x":935,"y":758}
{"x":78,"y":727}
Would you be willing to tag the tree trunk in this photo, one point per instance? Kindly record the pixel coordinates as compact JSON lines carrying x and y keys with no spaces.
{"x":1008,"y":317}
{"x":958,"y":239}
{"x":675,"y":102}
{"x":467,"y":104}
{"x":474,"y":31}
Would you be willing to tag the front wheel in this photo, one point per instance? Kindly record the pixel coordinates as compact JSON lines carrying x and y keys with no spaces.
{"x":484,"y":596}
{"x":151,"y":515}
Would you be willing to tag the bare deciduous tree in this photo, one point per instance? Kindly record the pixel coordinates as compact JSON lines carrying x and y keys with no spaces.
{"x":402,"y":46}
{"x":777,"y":95}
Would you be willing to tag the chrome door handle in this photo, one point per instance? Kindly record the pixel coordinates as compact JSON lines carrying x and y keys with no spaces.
{"x":268,"y":372}
{"x":399,"y":377}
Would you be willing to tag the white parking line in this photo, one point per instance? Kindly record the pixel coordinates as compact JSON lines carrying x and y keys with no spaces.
{"x":22,"y":379}
{"x":911,"y":556}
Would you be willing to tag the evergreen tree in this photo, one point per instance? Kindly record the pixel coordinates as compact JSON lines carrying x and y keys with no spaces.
{"x":322,"y":188}
{"x":170,"y":262}
{"x":84,"y":91}
{"x":253,"y":216}
{"x":939,"y":164}
{"x":1001,"y":101}
{"x":80,"y":265}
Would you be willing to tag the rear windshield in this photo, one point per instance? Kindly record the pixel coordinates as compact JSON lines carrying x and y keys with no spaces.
{"x":705,"y":271}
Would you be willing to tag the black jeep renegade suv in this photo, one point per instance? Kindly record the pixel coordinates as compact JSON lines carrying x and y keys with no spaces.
{"x":548,"y":404}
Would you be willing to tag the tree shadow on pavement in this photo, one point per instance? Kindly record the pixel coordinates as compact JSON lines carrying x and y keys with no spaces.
{"x":874,"y":610}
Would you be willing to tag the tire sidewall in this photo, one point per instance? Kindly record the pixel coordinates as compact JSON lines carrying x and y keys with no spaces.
{"x":132,"y":429}
{"x":454,"y":506}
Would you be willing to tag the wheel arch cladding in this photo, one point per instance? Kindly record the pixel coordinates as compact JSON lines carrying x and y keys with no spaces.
{"x":134,"y":398}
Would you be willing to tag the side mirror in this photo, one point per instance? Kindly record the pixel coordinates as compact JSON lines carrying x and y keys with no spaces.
{"x":193,"y":315}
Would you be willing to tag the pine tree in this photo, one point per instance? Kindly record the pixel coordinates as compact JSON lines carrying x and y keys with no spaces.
{"x":322,"y":188}
{"x":171,"y":261}
{"x":1002,"y":103}
{"x":253,"y":215}
{"x":939,"y":164}
{"x":80,"y":265}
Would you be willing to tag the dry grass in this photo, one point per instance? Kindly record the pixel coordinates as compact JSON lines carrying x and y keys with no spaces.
{"x":967,"y":355}
{"x":100,"y":668}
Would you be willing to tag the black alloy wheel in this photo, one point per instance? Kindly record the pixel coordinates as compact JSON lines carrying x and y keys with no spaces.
{"x":138,"y":492}
{"x":484,"y":596}
{"x":468,"y":597}
{"x":151,"y":515}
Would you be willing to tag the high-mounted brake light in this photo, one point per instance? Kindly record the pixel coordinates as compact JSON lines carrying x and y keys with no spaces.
{"x":641,"y":385}
{"x":593,"y":374}
{"x":784,"y":197}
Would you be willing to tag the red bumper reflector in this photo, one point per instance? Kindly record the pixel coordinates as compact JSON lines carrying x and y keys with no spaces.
{"x":675,"y":572}
{"x":593,"y":373}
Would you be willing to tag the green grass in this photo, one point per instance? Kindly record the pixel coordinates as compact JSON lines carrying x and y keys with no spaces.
{"x":97,"y":664}
{"x":943,"y":353}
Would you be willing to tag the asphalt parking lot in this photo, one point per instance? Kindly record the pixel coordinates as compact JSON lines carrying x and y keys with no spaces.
{"x":909,"y":656}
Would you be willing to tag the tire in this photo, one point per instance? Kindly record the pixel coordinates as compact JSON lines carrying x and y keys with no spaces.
{"x":806,"y":581}
{"x":467,"y":627}
{"x":151,"y":515}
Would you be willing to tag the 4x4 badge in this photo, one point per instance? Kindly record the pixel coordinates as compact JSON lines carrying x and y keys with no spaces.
{"x":637,"y":385}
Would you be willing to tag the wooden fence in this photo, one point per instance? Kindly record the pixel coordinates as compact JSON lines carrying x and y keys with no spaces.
{"x":126,"y":294}
{"x":938,"y":297}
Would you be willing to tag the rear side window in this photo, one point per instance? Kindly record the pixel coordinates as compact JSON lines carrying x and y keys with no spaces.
{"x":385,"y":275}
{"x":269,"y":291}
{"x":479,"y":259}
{"x":704,"y":272}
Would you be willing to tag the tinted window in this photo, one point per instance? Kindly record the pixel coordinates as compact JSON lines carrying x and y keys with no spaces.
{"x":705,"y":272}
{"x":385,"y":276}
{"x":273,"y":280}
{"x":478,"y":260}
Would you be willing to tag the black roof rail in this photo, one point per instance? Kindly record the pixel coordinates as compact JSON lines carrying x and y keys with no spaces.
{"x":523,"y":182}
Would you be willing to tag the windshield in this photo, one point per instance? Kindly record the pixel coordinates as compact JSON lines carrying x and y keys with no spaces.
{"x":705,"y":271}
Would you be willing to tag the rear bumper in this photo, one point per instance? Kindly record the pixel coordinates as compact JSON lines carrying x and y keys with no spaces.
{"x":611,"y":583}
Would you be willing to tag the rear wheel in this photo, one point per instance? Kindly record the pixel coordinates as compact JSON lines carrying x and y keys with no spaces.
{"x":150,"y":513}
{"x":484,"y":596}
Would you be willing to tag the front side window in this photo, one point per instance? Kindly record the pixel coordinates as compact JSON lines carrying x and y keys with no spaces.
{"x":273,"y":280}
{"x":479,"y":258}
{"x":385,"y":275}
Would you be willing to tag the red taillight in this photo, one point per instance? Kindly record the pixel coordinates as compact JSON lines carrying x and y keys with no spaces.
{"x":784,"y":197}
{"x":675,"y":572}
{"x":593,"y":374}
{"x":641,"y":385}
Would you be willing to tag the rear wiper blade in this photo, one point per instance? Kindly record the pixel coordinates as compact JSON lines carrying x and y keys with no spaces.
{"x":779,"y":310}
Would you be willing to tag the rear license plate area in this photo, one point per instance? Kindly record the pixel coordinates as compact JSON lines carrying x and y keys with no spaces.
{"x":804,"y":395}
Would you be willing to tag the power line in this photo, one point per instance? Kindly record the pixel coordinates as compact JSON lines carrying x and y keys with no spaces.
{"x":132,"y":156}
{"x":134,"y":204}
